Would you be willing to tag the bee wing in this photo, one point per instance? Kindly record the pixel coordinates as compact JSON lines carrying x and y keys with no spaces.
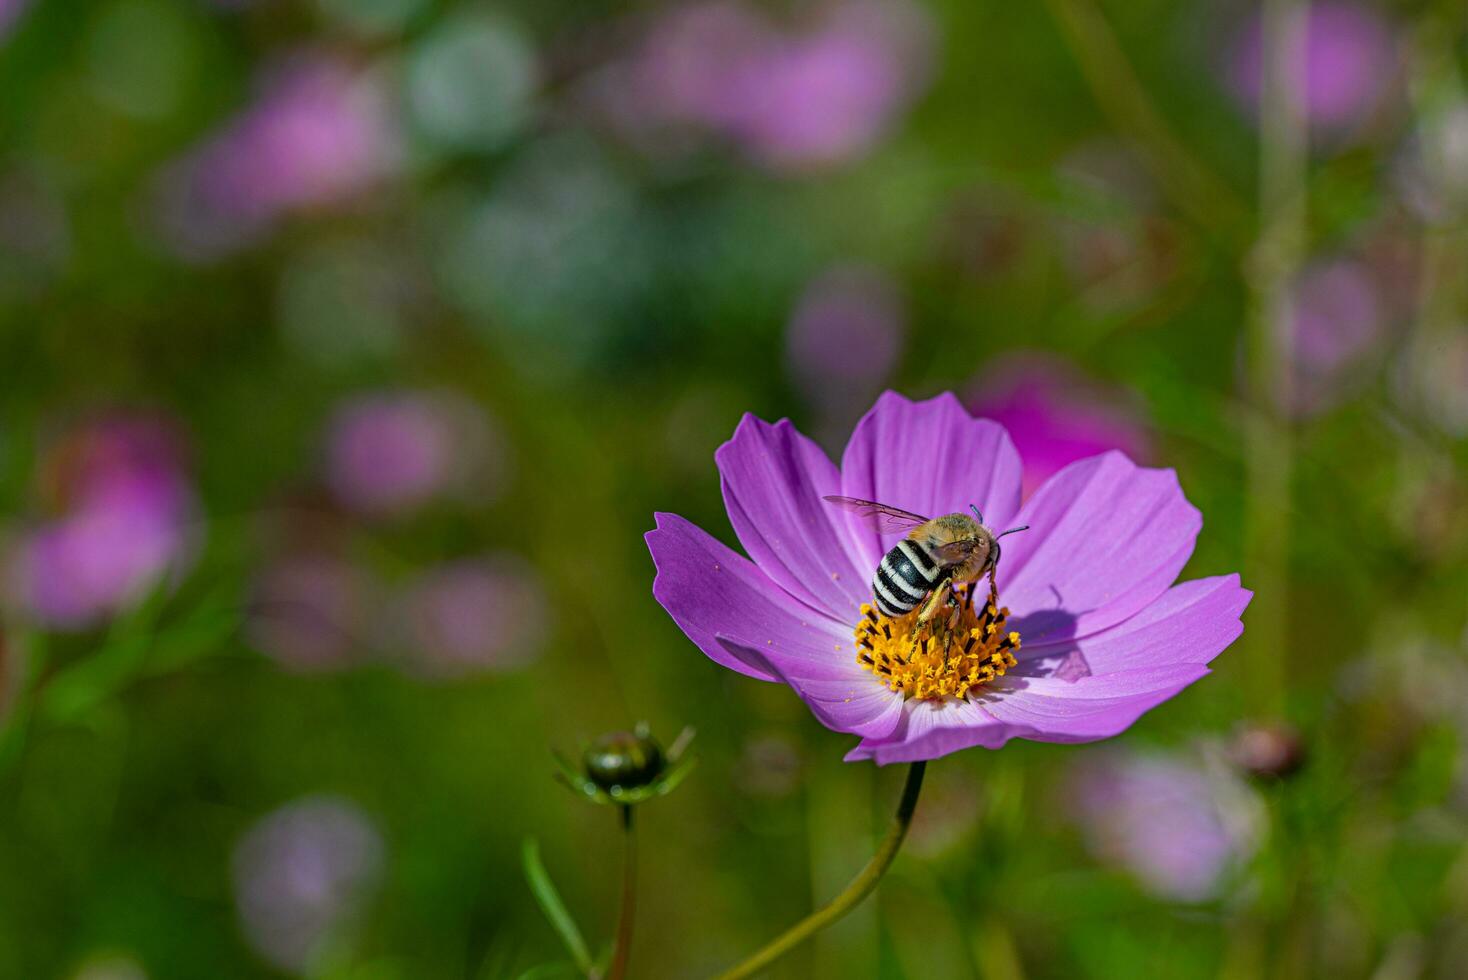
{"x":888,"y":520}
{"x":952,"y":553}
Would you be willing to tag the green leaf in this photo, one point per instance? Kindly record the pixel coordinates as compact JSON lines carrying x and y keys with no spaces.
{"x":550,"y":903}
{"x":33,"y":651}
{"x":80,"y":686}
{"x":208,"y":627}
{"x":676,"y":774}
{"x":138,"y":646}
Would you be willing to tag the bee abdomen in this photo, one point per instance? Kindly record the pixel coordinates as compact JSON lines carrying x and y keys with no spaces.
{"x":907,"y":573}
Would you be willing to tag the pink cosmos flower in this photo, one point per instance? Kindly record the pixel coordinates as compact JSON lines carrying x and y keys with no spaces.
{"x":127,"y":520}
{"x":792,"y":100}
{"x":1338,"y":323}
{"x":96,"y":562}
{"x":300,"y":877}
{"x":471,"y":616}
{"x":844,"y":337}
{"x":1088,"y":590}
{"x":1176,"y":827}
{"x":846,"y":329}
{"x":1343,"y":72}
{"x":308,"y":612}
{"x":10,"y":11}
{"x":319,"y":132}
{"x":830,"y":95}
{"x":389,"y":452}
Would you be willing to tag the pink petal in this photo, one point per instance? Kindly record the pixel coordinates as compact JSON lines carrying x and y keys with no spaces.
{"x":1048,"y":709}
{"x":1191,"y":623}
{"x":930,"y":729}
{"x":773,"y":480}
{"x":931,"y":458}
{"x":1106,"y":538}
{"x":841,"y":695}
{"x":712,"y":591}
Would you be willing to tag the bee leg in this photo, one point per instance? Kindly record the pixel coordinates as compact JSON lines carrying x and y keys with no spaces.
{"x":930,"y":608}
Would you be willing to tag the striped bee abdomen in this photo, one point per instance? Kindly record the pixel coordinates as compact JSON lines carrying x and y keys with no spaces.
{"x":907,"y":574}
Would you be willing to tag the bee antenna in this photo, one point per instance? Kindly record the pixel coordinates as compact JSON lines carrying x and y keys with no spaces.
{"x":977,"y":513}
{"x":1022,"y":527}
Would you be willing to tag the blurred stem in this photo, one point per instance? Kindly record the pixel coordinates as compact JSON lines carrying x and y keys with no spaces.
{"x":622,"y":948}
{"x":1192,"y":188}
{"x":25,"y":664}
{"x":861,"y":886}
{"x":1270,"y":271}
{"x":840,"y":821}
{"x":995,"y":954}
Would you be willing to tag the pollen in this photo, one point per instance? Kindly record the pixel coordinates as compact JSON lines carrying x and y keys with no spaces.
{"x":959,"y":650}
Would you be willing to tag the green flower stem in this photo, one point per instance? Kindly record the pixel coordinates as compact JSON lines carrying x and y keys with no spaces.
{"x":622,"y":949}
{"x":861,"y":886}
{"x":1270,"y":270}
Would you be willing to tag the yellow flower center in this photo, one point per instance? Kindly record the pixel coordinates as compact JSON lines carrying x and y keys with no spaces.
{"x":958,"y":650}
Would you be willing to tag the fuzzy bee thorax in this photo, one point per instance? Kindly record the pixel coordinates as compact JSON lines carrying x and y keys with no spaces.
{"x":956,"y":542}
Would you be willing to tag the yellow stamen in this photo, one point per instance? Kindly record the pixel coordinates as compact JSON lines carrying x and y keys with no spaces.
{"x":951,"y":656}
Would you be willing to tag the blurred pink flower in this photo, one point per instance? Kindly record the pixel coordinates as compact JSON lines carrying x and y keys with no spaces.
{"x":10,"y":11}
{"x":126,"y":520}
{"x":93,"y":563}
{"x":319,"y":132}
{"x":1347,"y":65}
{"x":390,"y":452}
{"x":1177,"y":828}
{"x":472,"y":616}
{"x":1267,"y":750}
{"x":791,"y":100}
{"x":119,"y":460}
{"x":828,"y":96}
{"x":845,"y":335}
{"x":695,"y":63}
{"x":301,"y":875}
{"x":1055,"y":415}
{"x":1339,"y":322}
{"x":308,"y":612}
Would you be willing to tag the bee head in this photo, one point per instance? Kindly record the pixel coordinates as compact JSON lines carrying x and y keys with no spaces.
{"x":995,"y":552}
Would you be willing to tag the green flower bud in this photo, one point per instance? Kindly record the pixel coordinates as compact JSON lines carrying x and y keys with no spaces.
{"x":627,"y":767}
{"x":623,"y":760}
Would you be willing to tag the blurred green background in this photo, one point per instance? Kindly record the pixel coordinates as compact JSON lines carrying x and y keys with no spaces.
{"x":348,"y":347}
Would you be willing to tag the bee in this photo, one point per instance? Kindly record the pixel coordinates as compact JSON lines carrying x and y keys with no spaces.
{"x":936,"y":554}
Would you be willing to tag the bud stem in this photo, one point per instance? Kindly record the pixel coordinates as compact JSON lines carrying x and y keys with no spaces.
{"x":861,"y":886}
{"x":622,"y":949}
